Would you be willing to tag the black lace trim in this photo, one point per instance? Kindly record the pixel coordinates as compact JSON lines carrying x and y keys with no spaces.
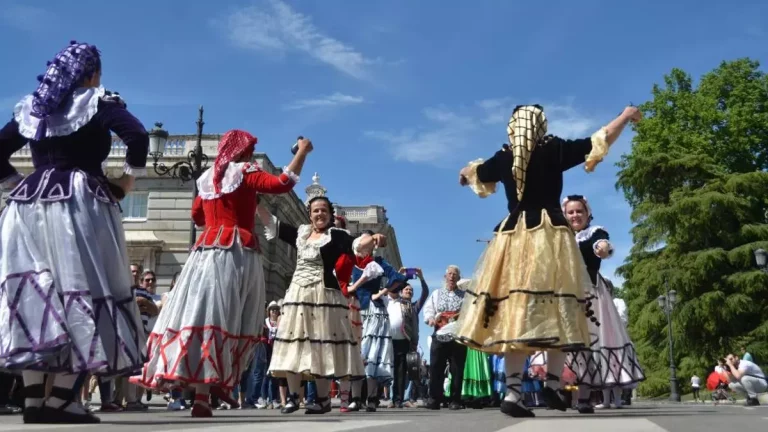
{"x":548,"y":343}
{"x":317,"y":341}
{"x":491,"y":305}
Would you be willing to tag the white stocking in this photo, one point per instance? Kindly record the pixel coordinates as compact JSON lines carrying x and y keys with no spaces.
{"x":555,"y":365}
{"x":66,"y":383}
{"x":34,"y":378}
{"x":514,"y":363}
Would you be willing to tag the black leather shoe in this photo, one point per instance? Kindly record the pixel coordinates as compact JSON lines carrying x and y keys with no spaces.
{"x":554,"y":399}
{"x":516,"y":410}
{"x":320,"y":406}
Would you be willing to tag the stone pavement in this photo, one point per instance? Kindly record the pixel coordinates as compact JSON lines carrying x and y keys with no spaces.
{"x":637,"y":418}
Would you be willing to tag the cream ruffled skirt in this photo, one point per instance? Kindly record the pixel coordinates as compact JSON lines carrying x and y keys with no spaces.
{"x":315,"y":336}
{"x":528,"y":292}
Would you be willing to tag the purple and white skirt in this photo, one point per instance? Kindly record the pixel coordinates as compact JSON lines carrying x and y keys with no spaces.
{"x":65,"y":287}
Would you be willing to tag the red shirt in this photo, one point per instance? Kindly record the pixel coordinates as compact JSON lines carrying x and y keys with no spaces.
{"x":235,"y":212}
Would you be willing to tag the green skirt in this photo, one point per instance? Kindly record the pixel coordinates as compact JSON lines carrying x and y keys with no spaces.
{"x":477,"y":382}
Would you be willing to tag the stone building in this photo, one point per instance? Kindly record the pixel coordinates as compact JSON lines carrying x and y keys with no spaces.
{"x":157,"y":222}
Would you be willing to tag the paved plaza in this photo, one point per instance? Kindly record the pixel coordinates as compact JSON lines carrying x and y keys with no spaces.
{"x":637,"y":418}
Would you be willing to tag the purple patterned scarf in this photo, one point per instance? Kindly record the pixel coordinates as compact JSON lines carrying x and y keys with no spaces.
{"x":65,"y":73}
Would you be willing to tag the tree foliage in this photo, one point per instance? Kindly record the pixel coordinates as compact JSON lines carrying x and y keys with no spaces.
{"x":697,"y":184}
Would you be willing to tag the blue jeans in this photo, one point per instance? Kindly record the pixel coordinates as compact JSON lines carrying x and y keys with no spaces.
{"x":311,"y":392}
{"x":253,"y":379}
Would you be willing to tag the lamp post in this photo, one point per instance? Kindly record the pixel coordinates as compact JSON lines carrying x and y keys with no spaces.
{"x":187,"y":170}
{"x":667,"y":304}
{"x":761,"y":259}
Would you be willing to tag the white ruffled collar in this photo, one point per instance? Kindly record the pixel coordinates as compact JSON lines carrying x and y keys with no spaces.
{"x":233,"y":178}
{"x":78,"y":111}
{"x":304,"y":231}
{"x":587,"y":233}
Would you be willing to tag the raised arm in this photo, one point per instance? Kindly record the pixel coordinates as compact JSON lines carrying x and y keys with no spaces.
{"x":482,"y":176}
{"x":424,"y":291}
{"x":266,"y":183}
{"x":263,"y":182}
{"x":114,"y":116}
{"x":10,"y":142}
{"x":595,"y":148}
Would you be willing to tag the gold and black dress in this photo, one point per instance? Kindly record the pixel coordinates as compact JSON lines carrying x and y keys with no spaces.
{"x":529,"y":288}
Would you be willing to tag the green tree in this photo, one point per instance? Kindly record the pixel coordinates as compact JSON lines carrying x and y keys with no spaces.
{"x":697,"y":184}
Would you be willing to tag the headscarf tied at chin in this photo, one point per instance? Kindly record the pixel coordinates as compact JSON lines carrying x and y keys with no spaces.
{"x":234,"y":145}
{"x":580,"y":198}
{"x":527,"y":128}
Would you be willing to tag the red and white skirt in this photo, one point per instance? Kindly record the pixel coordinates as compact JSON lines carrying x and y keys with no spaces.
{"x":208,"y":329}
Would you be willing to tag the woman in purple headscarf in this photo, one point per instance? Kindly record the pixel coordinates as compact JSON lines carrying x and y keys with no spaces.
{"x":65,"y":291}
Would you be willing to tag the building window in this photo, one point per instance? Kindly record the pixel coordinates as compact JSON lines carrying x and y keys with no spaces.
{"x":135,"y":206}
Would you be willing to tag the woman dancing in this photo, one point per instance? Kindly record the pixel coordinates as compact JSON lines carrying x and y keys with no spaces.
{"x":67,"y":305}
{"x":205,"y":335}
{"x":611,"y":363}
{"x":315,"y":339}
{"x":376,"y":349}
{"x":530,"y":286}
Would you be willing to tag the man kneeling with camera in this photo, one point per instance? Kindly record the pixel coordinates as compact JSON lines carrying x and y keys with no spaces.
{"x":746,"y":378}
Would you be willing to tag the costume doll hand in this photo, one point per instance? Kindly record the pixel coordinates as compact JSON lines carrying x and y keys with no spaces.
{"x":632,"y":114}
{"x":463,"y":174}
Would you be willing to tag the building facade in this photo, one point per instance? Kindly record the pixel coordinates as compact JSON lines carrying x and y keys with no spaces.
{"x":157,"y":219}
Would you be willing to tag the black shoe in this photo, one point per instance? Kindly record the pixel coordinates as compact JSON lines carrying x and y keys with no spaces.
{"x":515,"y":410}
{"x":290,"y":406}
{"x":32,"y":415}
{"x":319,"y":406}
{"x":432,"y":405}
{"x":455,"y":406}
{"x":584,"y":407}
{"x":554,"y":399}
{"x":752,"y":402}
{"x":371,"y":405}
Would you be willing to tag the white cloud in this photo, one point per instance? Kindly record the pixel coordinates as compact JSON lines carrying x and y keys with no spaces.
{"x":334,"y":100}
{"x":276,"y":28}
{"x":447,"y":131}
{"x":564,"y":120}
{"x":25,"y":18}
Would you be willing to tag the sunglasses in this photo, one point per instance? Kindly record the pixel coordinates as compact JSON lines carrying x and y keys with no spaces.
{"x":149,"y":280}
{"x":575,"y":197}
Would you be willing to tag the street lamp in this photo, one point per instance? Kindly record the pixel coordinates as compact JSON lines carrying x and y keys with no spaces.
{"x":667,"y":304}
{"x":188,"y":170}
{"x":482,"y":241}
{"x":761,"y":258}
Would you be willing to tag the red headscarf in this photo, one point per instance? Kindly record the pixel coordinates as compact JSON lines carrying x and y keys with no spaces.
{"x":233,"y":146}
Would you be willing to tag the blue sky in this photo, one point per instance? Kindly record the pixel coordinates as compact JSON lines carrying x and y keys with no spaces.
{"x":396,"y":95}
